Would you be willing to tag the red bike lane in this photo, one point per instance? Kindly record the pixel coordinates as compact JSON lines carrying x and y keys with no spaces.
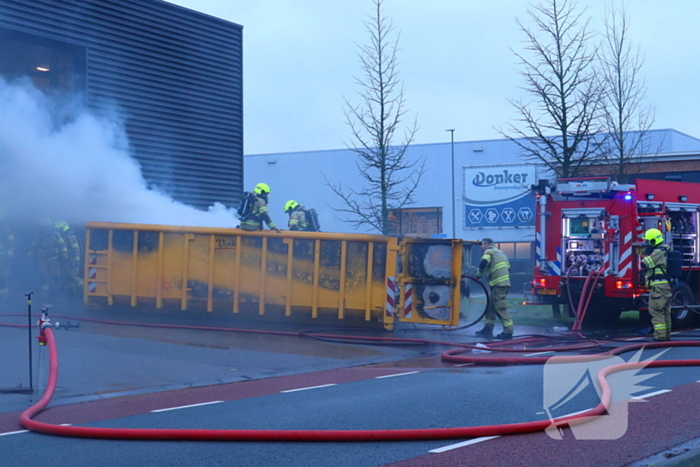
{"x":664,"y":421}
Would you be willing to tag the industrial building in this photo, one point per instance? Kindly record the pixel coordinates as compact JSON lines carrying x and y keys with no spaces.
{"x":491,"y":185}
{"x":173,"y":75}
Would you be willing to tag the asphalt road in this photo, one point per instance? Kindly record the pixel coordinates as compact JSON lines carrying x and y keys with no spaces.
{"x":120,"y":376}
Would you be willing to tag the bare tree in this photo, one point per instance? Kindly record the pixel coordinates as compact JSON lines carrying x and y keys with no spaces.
{"x":389,"y":177}
{"x":560,"y":128}
{"x":627,"y":121}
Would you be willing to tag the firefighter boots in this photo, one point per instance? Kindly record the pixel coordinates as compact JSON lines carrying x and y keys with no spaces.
{"x":486,"y":331}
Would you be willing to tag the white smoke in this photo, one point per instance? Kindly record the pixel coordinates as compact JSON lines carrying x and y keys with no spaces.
{"x":78,"y":169}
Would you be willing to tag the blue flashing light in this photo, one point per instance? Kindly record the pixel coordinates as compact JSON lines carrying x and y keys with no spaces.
{"x":628,"y":197}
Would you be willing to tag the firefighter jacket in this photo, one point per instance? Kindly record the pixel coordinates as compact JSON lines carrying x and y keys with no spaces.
{"x":496,"y":267}
{"x":49,"y":245}
{"x":258,"y":215}
{"x":297,"y":219}
{"x":655,"y":265}
{"x":72,"y":247}
{"x":7,"y":242}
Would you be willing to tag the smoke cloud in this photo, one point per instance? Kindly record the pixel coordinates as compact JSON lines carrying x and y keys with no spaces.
{"x":78,"y":168}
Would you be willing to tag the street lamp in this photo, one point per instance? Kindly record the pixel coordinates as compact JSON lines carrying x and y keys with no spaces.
{"x":454,"y":217}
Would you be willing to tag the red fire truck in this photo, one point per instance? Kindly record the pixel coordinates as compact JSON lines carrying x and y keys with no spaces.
{"x":592,"y":228}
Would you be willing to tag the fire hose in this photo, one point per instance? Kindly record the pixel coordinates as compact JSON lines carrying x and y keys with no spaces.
{"x":350,"y":435}
{"x":585,"y":302}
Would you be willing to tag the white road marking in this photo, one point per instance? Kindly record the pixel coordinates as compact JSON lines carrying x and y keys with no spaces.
{"x":66,"y":424}
{"x":14,"y":432}
{"x":187,"y":406}
{"x":462,"y":444}
{"x":465,"y":364}
{"x":397,"y":374}
{"x":636,"y":338}
{"x":538,"y":353}
{"x":311,"y":387}
{"x":575,"y":413}
{"x":677,"y":332}
{"x":644,"y":396}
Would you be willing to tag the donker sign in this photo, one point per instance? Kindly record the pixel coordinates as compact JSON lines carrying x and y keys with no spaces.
{"x":499,"y":196}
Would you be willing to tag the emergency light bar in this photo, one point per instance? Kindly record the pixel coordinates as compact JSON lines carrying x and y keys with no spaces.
{"x":582,"y":186}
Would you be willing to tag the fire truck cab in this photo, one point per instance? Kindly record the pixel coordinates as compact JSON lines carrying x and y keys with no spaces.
{"x":592,"y":229}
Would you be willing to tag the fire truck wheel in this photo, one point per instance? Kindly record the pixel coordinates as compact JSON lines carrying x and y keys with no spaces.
{"x":682,"y":317}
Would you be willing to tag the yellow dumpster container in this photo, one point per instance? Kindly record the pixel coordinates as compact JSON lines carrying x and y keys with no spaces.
{"x":349,"y":277}
{"x":301,"y":274}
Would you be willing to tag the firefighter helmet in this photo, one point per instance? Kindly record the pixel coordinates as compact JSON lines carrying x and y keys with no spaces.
{"x":289,"y":205}
{"x":654,"y":237}
{"x":262,"y":189}
{"x":61,"y":225}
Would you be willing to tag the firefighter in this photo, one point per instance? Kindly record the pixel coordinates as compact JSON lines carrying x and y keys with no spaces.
{"x":654,"y":264}
{"x":495,"y":266}
{"x":259,"y":213}
{"x":70,"y":266}
{"x":46,"y":249}
{"x":297,"y":216}
{"x":7,"y":251}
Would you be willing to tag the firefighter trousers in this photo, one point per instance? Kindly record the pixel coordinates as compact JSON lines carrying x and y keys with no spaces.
{"x":71,"y":281}
{"x":499,"y":306}
{"x":660,"y":311}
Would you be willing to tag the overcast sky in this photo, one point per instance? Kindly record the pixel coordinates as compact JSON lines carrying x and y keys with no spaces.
{"x":300,"y":59}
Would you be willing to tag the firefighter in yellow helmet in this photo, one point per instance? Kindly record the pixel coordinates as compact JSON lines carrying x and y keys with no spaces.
{"x":297,"y":216}
{"x":654,"y":264}
{"x":259,"y":213}
{"x":70,"y":266}
{"x":496,"y":267}
{"x":7,"y":251}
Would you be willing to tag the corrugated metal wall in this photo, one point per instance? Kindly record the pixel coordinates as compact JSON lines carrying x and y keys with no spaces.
{"x":176,"y":75}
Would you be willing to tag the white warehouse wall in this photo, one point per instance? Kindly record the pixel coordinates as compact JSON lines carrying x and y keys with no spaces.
{"x":300,"y":176}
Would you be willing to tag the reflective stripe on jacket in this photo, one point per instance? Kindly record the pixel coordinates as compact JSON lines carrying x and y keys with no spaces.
{"x":656,"y":266}
{"x":73,"y":247}
{"x":48,"y":244}
{"x":297,"y":219}
{"x":498,"y":267}
{"x":258,"y":214}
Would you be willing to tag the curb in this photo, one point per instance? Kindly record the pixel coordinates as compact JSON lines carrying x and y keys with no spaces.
{"x":683,"y":455}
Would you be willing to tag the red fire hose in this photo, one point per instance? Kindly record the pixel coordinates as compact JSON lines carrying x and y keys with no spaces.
{"x":338,"y":435}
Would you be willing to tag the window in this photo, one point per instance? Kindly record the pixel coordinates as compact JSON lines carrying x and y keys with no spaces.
{"x":518,"y":250}
{"x":523,"y":250}
{"x":50,"y":65}
{"x":508,"y":249}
